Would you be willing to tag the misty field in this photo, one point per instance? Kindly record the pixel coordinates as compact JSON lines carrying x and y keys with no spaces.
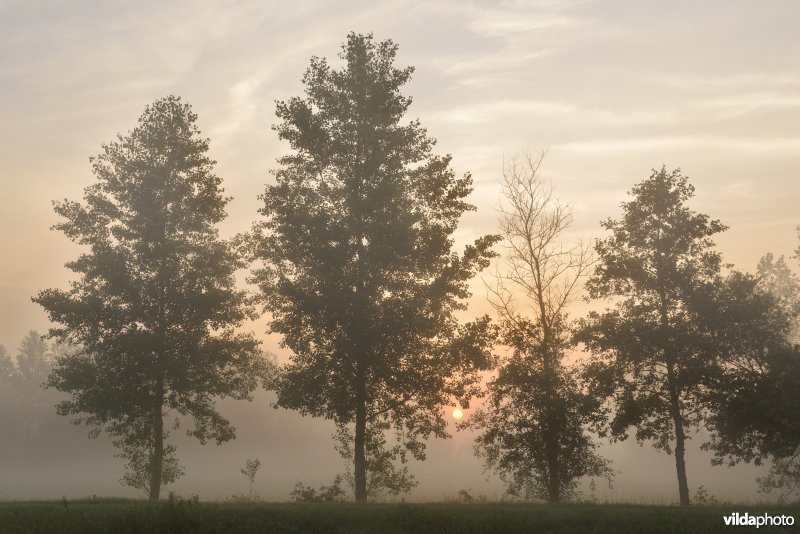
{"x":120,"y":515}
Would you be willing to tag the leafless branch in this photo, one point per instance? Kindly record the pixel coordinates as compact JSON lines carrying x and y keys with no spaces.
{"x":537,"y":267}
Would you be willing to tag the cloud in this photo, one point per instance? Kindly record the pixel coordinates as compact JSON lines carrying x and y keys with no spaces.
{"x":743,"y":104}
{"x":491,"y":112}
{"x":735,"y":81}
{"x":502,"y":61}
{"x":496,"y":23}
{"x":736,"y":144}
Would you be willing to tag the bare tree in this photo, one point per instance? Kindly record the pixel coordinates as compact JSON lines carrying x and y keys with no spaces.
{"x":532,"y":428}
{"x":537,"y":267}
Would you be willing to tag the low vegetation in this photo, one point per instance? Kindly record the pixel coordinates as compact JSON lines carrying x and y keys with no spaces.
{"x":178,"y":515}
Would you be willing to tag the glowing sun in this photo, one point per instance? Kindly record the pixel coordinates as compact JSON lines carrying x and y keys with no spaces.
{"x":457,"y":414}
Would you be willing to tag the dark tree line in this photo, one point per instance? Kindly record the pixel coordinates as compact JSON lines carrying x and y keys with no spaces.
{"x":355,"y":265}
{"x":29,"y":424}
{"x":23,"y":401}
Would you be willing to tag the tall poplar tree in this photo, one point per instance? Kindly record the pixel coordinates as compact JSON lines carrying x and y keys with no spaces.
{"x":155,"y":305}
{"x":651,"y":353}
{"x":359,"y":274}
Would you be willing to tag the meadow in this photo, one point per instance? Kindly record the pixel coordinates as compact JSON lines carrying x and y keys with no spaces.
{"x":178,"y":515}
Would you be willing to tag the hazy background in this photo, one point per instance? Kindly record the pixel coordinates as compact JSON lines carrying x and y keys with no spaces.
{"x":614,"y":88}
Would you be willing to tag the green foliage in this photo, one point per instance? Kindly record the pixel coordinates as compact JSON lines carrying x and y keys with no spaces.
{"x":154,"y":308}
{"x":523,"y":401}
{"x":140,"y":463}
{"x":783,"y":479}
{"x":358,"y":271}
{"x":332,"y":493}
{"x":703,"y":498}
{"x":755,"y":402}
{"x":651,"y":354}
{"x":384,"y":476}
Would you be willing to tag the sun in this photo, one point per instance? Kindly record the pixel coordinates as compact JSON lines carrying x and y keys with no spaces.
{"x":457,"y":414}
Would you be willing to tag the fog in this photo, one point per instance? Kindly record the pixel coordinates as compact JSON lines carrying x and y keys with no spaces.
{"x":613,"y":88}
{"x":57,"y":459}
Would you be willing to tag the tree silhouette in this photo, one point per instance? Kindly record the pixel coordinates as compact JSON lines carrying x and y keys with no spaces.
{"x":33,"y":366}
{"x":7,"y":368}
{"x":250,"y":470}
{"x":9,"y":395}
{"x":755,"y":402}
{"x":359,"y":276}
{"x":651,"y":352}
{"x":32,"y":359}
{"x":155,"y":305}
{"x":532,"y":427}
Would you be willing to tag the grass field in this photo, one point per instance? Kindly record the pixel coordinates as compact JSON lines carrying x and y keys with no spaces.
{"x":123,"y":516}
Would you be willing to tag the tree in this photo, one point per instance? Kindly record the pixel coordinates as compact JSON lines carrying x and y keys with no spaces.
{"x":358,"y":271}
{"x":250,"y":470}
{"x":651,"y":353}
{"x":7,"y":369}
{"x":9,"y":391}
{"x":32,"y":359}
{"x":755,"y":401}
{"x":532,"y":427}
{"x":33,"y":405}
{"x":778,"y":279}
{"x":155,"y":304}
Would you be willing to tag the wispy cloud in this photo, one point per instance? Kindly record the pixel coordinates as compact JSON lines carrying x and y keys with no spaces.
{"x":737,"y":144}
{"x":735,"y":81}
{"x":501,"y":61}
{"x":738,"y":105}
{"x":495,"y":22}
{"x":521,"y":108}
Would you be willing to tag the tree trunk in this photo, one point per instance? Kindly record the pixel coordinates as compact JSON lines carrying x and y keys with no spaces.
{"x":680,"y":464}
{"x":360,"y":460}
{"x":674,"y":403}
{"x":551,"y":441}
{"x":680,"y":436}
{"x":552,"y":428}
{"x":156,"y":465}
{"x":554,"y":475}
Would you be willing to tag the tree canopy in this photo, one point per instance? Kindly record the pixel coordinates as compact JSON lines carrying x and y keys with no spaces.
{"x":154,"y":307}
{"x":359,"y":275}
{"x":755,"y":401}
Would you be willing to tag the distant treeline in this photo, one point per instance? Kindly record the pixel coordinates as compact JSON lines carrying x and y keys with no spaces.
{"x":28,"y":418}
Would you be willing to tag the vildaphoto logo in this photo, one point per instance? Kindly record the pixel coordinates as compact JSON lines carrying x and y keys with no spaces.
{"x":746,"y":520}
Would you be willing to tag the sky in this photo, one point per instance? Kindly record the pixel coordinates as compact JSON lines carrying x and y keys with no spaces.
{"x":612,"y":88}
